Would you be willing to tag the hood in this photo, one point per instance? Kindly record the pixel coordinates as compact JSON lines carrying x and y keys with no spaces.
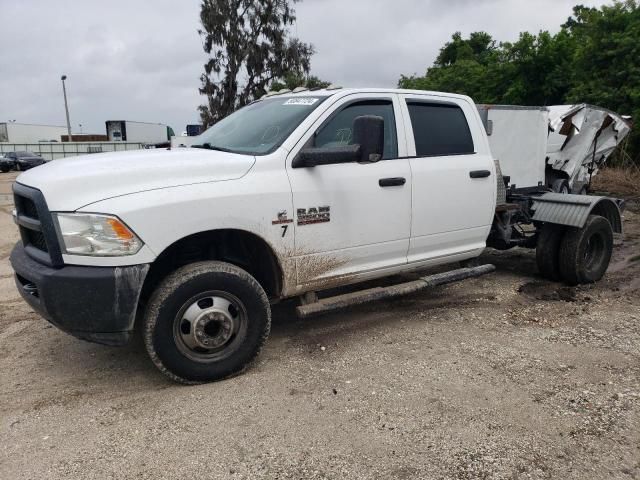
{"x":71,"y":183}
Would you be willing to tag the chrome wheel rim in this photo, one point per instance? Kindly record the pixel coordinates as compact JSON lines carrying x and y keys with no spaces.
{"x":210,"y":326}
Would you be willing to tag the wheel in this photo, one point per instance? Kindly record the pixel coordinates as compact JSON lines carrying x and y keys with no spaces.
{"x":585,"y":252}
{"x":206,"y":321}
{"x":548,"y":251}
{"x":561,"y":186}
{"x":4,"y":169}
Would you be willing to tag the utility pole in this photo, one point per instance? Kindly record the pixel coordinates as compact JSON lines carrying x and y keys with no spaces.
{"x":66,"y":107}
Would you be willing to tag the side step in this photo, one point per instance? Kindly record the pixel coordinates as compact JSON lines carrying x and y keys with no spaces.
{"x":380,"y":293}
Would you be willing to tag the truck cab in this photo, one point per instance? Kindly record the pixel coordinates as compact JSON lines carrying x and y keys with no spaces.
{"x":293,"y":194}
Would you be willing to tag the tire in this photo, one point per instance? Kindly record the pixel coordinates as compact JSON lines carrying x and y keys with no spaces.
{"x":4,"y":169}
{"x":585,"y":252}
{"x":561,"y":186}
{"x":206,"y":302}
{"x":548,"y":251}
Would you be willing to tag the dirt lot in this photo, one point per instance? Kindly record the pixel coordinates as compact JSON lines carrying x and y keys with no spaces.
{"x":505,"y":376}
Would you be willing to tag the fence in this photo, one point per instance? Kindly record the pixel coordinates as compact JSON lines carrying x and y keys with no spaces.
{"x":55,"y":150}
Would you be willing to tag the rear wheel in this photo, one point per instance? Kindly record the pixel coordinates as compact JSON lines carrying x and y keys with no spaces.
{"x":206,"y":321}
{"x":561,"y":186}
{"x":4,"y":169}
{"x":548,"y":251}
{"x":585,"y":252}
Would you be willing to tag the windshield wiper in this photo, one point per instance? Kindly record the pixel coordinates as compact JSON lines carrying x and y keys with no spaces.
{"x":208,"y":146}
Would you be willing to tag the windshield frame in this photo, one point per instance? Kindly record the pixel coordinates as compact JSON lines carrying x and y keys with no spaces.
{"x":278,"y":144}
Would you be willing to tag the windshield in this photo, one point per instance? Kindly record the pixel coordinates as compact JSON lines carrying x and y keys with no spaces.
{"x":258,"y":128}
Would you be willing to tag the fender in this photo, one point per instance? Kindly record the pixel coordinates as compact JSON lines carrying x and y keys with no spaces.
{"x":573,"y":210}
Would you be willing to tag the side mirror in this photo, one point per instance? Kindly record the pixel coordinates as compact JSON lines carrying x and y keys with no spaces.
{"x":367,"y":147}
{"x":368,"y":132}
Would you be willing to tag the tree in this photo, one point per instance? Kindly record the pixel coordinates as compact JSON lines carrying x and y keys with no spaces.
{"x":295,"y":80}
{"x":249,"y":47}
{"x":606,"y":70}
{"x":592,"y":59}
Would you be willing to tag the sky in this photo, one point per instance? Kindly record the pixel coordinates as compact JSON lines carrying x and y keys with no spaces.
{"x":142,"y":60}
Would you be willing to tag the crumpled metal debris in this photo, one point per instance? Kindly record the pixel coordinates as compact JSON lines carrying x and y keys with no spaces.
{"x":581,"y":139}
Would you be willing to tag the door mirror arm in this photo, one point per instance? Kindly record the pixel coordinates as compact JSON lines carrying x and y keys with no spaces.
{"x":312,"y":156}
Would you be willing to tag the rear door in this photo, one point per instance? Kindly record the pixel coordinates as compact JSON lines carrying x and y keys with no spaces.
{"x":453,"y":175}
{"x":351,"y":218}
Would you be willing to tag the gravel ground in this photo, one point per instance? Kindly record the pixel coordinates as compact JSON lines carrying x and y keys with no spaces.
{"x":505,"y":376}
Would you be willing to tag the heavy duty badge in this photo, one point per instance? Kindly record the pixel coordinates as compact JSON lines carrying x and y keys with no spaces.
{"x":308,"y":216}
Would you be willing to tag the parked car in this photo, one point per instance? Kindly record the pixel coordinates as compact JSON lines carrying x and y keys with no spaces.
{"x":292,"y":195}
{"x":24,"y":160}
{"x":6,"y":164}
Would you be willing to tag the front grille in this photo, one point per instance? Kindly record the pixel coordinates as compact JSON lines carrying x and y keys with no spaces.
{"x":27,"y":207}
{"x":36,"y":239}
{"x":36,"y":226}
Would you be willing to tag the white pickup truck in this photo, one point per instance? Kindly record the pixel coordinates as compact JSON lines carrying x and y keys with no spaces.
{"x":292,"y":195}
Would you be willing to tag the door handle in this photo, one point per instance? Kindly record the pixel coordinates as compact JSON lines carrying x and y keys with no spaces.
{"x":479,"y":173}
{"x":392,"y":182}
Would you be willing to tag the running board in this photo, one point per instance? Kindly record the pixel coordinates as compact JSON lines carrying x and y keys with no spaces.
{"x":380,"y":293}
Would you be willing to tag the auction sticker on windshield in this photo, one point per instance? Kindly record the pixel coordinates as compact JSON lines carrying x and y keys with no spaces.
{"x":301,"y":101}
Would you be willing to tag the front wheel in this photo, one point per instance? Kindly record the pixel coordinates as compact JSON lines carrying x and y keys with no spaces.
{"x":206,"y":321}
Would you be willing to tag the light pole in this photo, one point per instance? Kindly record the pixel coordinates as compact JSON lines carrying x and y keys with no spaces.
{"x":66,"y":106}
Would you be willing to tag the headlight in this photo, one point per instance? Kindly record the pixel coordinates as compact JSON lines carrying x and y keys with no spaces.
{"x":96,"y":235}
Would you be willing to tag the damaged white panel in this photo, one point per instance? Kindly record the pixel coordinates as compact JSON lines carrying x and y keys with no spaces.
{"x":527,"y":139}
{"x":518,"y":140}
{"x":575,"y":131}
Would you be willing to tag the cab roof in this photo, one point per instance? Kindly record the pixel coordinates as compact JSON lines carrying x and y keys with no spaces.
{"x":335,"y":91}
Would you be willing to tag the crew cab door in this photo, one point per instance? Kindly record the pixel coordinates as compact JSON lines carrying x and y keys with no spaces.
{"x":351,"y":218}
{"x":453,"y":175}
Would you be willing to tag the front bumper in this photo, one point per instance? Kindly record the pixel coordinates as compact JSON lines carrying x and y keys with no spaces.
{"x":97,"y":304}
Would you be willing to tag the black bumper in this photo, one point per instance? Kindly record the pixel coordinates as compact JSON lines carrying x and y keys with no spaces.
{"x":97,"y":304}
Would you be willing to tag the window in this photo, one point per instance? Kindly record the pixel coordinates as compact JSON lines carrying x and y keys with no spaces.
{"x":439,"y":129}
{"x":260,"y":127}
{"x":338,"y":131}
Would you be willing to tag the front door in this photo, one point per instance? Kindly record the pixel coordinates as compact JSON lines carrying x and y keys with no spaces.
{"x":351,"y":218}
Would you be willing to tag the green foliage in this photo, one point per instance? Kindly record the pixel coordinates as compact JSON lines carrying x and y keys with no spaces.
{"x":295,"y":80}
{"x":249,"y":47}
{"x":595,"y":58}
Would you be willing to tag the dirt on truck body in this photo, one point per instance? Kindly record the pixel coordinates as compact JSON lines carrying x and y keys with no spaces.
{"x":505,"y":376}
